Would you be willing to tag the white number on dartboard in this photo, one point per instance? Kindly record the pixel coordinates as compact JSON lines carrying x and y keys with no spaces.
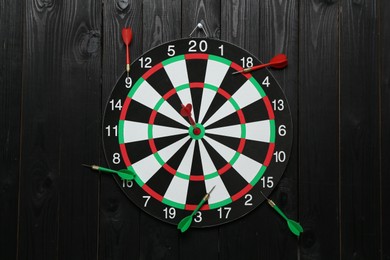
{"x":114,"y":128}
{"x":116,"y":158}
{"x":169,"y":213}
{"x":194,"y":47}
{"x":267,"y":182}
{"x":246,"y":62}
{"x":280,"y":156}
{"x":127,"y":184}
{"x":145,"y":62}
{"x":171,"y":50}
{"x":224,"y":212}
{"x":116,"y":105}
{"x":278,"y":104}
{"x":128,"y":82}
{"x":282,"y":130}
{"x":266,"y":82}
{"x":198,"y":217}
{"x":147,"y":198}
{"x":248,"y":199}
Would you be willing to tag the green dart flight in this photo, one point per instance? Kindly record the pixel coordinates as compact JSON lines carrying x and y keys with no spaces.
{"x":124,"y":174}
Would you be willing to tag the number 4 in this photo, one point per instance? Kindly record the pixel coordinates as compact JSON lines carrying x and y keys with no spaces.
{"x":266,"y":82}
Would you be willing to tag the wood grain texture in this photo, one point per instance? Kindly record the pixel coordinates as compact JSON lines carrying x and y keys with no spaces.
{"x":359,"y":131}
{"x":119,"y":225}
{"x":319,"y":129}
{"x":384,"y":69}
{"x":40,"y":155}
{"x":11,"y":57}
{"x":80,"y":89}
{"x":208,"y":13}
{"x":58,"y":201}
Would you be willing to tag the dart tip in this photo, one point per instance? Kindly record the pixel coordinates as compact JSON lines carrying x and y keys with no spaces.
{"x":236,"y":72}
{"x":86,"y":165}
{"x":212,"y":189}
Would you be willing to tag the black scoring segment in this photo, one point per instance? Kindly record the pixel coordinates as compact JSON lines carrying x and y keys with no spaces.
{"x":139,"y":112}
{"x":160,"y":181}
{"x":196,"y":95}
{"x":256,"y":150}
{"x":196,"y":69}
{"x":233,"y":181}
{"x":256,"y":111}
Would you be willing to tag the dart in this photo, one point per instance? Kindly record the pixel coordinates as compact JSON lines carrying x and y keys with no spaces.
{"x":186,"y":112}
{"x":185,"y":223}
{"x":277,"y":62}
{"x":125,"y":174}
{"x":127,"y":36}
{"x":294,"y":226}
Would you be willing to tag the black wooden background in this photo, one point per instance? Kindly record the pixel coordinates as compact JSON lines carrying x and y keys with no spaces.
{"x":59,"y":61}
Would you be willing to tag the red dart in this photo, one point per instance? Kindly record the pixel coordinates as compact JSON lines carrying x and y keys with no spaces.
{"x":127,"y":36}
{"x":277,"y":62}
{"x":186,"y":111}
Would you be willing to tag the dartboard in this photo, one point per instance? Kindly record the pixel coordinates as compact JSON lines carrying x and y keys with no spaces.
{"x":185,"y":124}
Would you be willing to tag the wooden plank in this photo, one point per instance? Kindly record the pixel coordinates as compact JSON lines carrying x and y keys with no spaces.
{"x":161,"y":23}
{"x":384,"y":7}
{"x":11,"y":56}
{"x":208,"y":13}
{"x":265,"y":28}
{"x":319,"y":129}
{"x":119,"y":218}
{"x":40,"y":173}
{"x":206,"y":240}
{"x":79,"y":133}
{"x":359,"y":131}
{"x":58,"y":200}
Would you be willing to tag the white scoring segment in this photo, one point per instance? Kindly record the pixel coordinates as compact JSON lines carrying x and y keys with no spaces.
{"x":207,"y":163}
{"x":230,"y":131}
{"x":245,"y":166}
{"x":178,"y":75}
{"x":207,"y":98}
{"x":244,"y":96}
{"x":148,"y":166}
{"x":177,"y":190}
{"x":136,"y":131}
{"x":256,"y":131}
{"x":149,"y":97}
{"x":220,"y":192}
{"x":259,"y":131}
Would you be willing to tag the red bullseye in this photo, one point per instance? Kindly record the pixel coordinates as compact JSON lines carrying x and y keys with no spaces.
{"x":196,"y":131}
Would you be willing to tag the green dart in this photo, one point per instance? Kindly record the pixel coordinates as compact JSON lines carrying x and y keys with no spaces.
{"x":185,"y":223}
{"x":294,"y":226}
{"x":125,"y":174}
